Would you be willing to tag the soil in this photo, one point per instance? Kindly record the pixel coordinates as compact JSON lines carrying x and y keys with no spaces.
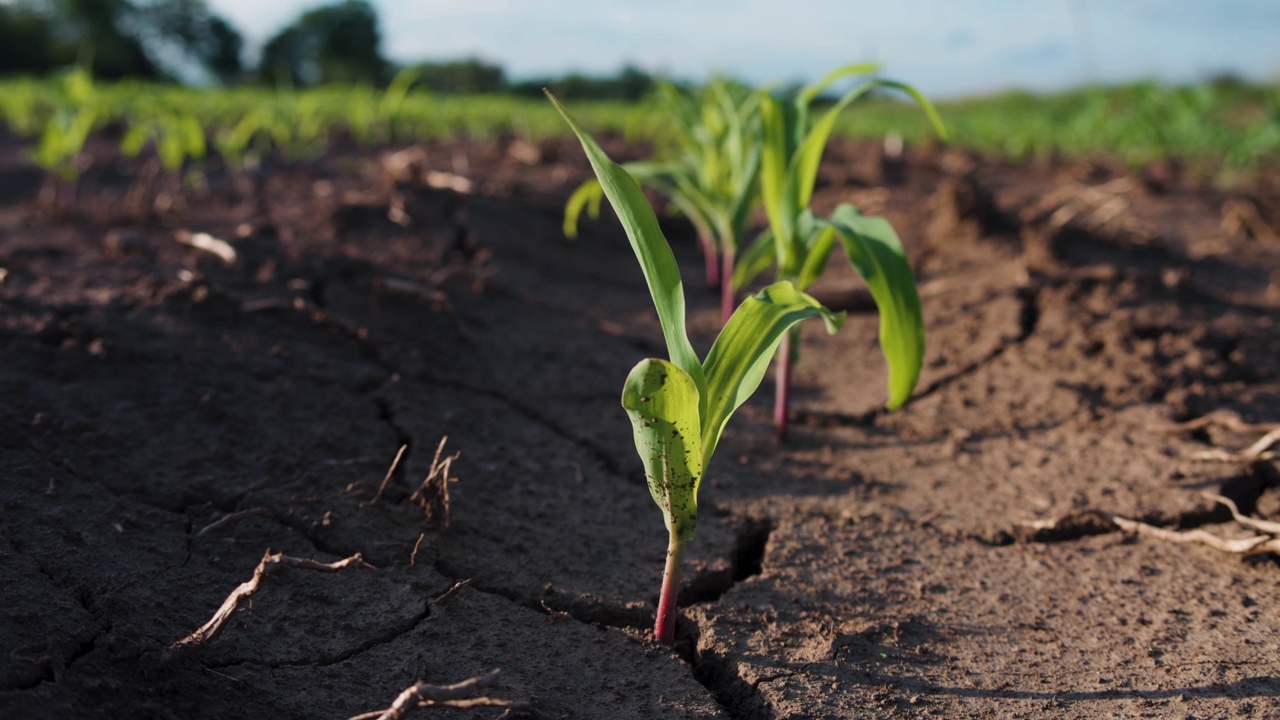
{"x":170,"y":416}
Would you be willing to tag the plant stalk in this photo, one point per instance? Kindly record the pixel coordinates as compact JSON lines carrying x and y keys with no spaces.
{"x":665,"y":627}
{"x":728,"y":299}
{"x":782,"y":398}
{"x":711,"y":259}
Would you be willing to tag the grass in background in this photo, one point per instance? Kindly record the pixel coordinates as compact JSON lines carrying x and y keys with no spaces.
{"x":1220,"y":127}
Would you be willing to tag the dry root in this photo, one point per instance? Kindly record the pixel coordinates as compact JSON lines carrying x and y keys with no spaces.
{"x":1265,"y":540}
{"x":270,"y":564}
{"x":1240,"y":218}
{"x":1093,"y":207}
{"x":433,"y":494}
{"x":207,"y":243}
{"x":465,"y":694}
{"x":1260,"y":450}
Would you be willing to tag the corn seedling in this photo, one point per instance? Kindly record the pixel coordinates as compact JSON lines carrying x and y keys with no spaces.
{"x":178,"y":140}
{"x":678,"y":407}
{"x":64,"y":135}
{"x":710,"y":178}
{"x":799,"y":244}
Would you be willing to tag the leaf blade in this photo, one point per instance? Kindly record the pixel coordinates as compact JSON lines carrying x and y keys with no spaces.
{"x":650,"y":246}
{"x":740,"y":356}
{"x":661,"y":401}
{"x":876,"y":253}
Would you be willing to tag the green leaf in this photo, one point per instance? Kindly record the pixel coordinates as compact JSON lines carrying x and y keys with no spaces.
{"x":758,"y":258}
{"x":811,"y":92}
{"x":929,"y":110}
{"x":740,"y":356}
{"x":586,"y":196}
{"x":774,"y":164}
{"x":874,"y":250}
{"x":817,"y":256}
{"x":650,"y":246}
{"x":662,"y":402}
{"x":804,"y":166}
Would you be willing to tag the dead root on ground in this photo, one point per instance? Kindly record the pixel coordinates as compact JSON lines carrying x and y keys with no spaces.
{"x":465,"y":695}
{"x":1265,"y":537}
{"x":433,"y":494}
{"x":1094,"y":207}
{"x":270,"y":564}
{"x":1260,"y":450}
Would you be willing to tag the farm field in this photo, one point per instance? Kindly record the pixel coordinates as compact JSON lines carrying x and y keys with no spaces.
{"x":1103,"y":347}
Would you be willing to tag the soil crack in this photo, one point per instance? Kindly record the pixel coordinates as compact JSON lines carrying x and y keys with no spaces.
{"x":391,"y":635}
{"x":596,"y":452}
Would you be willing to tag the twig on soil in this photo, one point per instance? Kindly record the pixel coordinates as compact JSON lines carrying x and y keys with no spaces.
{"x":270,"y":564}
{"x":1268,"y":541}
{"x":1229,"y":419}
{"x":1223,"y":417}
{"x":229,"y":518}
{"x":433,"y":494}
{"x":424,"y":293}
{"x":1260,"y":450}
{"x":465,"y":695}
{"x":413,"y":556}
{"x":1240,"y":218}
{"x":208,"y":243}
{"x":453,"y":590}
{"x":390,"y":471}
{"x":1264,"y":526}
{"x":318,"y":316}
{"x":1254,"y":545}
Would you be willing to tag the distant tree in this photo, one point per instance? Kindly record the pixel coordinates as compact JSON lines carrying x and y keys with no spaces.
{"x":335,"y":43}
{"x":470,"y":75}
{"x":28,"y":43}
{"x":98,"y":29}
{"x":118,"y":38}
{"x":631,"y":83}
{"x":191,"y":32}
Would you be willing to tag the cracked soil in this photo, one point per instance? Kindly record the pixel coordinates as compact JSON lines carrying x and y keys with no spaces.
{"x":877,"y":565}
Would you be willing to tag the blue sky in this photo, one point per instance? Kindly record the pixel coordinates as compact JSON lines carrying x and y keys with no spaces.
{"x":946,"y":49}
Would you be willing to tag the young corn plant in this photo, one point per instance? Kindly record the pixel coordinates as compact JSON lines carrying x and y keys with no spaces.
{"x":710,"y":178}
{"x":798,"y":243}
{"x":679,"y":406}
{"x":63,"y":137}
{"x":178,"y":140}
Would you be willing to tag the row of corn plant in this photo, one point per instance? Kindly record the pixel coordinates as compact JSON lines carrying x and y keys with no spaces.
{"x":709,"y":173}
{"x":679,"y":405}
{"x":737,"y":148}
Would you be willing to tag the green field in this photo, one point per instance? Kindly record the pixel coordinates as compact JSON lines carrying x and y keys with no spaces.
{"x":1214,"y":127}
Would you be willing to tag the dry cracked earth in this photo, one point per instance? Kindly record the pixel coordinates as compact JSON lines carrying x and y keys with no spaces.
{"x":1103,"y":345}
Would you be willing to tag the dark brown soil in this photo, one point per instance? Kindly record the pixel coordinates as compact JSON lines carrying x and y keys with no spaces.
{"x":878,"y":565}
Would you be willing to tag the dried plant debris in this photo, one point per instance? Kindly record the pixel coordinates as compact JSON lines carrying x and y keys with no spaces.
{"x":270,"y":564}
{"x":433,"y":494}
{"x":1265,"y":537}
{"x":464,"y":695}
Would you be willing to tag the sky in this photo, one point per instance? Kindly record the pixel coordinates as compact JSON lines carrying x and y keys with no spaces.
{"x":945,"y":48}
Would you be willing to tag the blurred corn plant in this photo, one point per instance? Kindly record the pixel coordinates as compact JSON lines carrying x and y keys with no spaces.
{"x":77,"y":111}
{"x":707,"y":171}
{"x":177,"y":139}
{"x":798,"y":244}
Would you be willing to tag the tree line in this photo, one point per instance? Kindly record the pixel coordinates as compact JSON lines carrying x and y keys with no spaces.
{"x":184,"y":41}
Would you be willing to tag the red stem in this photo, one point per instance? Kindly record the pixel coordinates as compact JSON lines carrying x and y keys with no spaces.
{"x":711,"y":259}
{"x":665,"y":627}
{"x":728,"y":299}
{"x":782,"y":398}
